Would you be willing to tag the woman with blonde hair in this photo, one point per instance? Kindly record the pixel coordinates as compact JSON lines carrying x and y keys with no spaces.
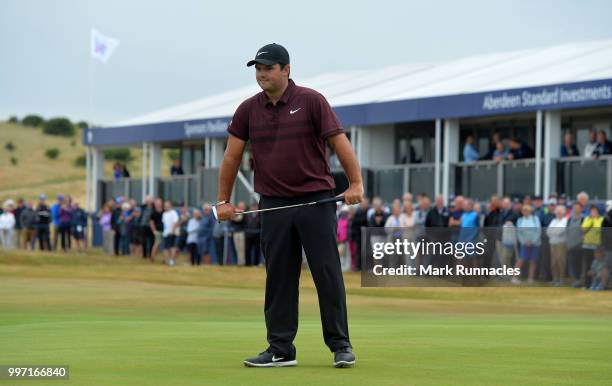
{"x":407,"y":217}
{"x":392,"y":225}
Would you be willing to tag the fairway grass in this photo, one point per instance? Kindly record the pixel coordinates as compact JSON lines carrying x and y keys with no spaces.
{"x":122,"y":321}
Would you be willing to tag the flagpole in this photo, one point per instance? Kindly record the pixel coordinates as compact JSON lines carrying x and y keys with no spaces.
{"x":100,"y":48}
{"x":91,"y":87}
{"x":89,"y":181}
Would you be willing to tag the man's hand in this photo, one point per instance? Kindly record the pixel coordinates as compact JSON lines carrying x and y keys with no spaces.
{"x":226,"y":212}
{"x":354,"y":193}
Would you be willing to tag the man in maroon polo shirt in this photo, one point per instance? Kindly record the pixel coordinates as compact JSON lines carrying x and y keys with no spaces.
{"x":288,"y":127}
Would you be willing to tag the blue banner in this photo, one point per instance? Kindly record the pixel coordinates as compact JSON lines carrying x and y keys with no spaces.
{"x":502,"y":102}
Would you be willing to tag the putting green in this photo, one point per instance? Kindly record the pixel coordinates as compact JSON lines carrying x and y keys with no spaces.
{"x":126,"y":322}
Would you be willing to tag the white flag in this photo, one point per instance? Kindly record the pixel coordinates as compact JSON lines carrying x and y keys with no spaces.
{"x":102,"y":47}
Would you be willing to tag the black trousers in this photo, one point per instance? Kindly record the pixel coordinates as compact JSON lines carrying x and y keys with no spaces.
{"x":283,"y":234}
{"x":194,"y":254}
{"x":117,"y":241}
{"x":64,"y":231}
{"x":148,"y":239}
{"x":252,"y":249}
{"x":42,"y":233}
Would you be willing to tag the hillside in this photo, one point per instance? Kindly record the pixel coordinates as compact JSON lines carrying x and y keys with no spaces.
{"x":34,"y":173}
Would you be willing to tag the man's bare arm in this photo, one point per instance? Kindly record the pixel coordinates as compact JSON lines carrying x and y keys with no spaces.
{"x":227,"y":175}
{"x":229,"y":167}
{"x":346,"y":156}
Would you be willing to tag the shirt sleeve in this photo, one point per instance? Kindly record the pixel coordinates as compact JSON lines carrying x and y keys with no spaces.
{"x":239,"y":125}
{"x":324,"y":118}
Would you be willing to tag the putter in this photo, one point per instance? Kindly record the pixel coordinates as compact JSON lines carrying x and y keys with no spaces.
{"x":323,"y":201}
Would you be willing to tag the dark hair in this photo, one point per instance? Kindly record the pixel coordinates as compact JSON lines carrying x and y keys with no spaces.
{"x":282,"y":66}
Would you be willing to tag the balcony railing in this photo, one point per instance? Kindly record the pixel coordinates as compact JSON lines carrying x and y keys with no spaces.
{"x":190,"y":189}
{"x":576,"y":174}
{"x":480,"y":180}
{"x":477,"y":180}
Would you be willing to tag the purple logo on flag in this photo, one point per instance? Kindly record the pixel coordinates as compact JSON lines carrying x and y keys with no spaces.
{"x":100,"y":47}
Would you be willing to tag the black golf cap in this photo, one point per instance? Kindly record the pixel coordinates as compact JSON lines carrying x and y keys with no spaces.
{"x":270,"y":54}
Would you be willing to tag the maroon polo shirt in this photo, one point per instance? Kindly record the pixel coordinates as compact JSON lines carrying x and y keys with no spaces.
{"x":288,"y":140}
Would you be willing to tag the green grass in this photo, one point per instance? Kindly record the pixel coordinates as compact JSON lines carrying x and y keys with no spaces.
{"x":127,"y":322}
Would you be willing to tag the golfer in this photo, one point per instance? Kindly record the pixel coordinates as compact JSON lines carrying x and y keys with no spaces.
{"x":288,"y":127}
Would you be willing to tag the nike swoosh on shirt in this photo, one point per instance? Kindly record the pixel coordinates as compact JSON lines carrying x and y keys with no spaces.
{"x":294,"y":111}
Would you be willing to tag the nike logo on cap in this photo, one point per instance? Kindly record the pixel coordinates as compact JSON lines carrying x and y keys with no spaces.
{"x":262,"y":52}
{"x":294,"y":111}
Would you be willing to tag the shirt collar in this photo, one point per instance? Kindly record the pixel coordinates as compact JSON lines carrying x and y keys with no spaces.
{"x":284,"y":98}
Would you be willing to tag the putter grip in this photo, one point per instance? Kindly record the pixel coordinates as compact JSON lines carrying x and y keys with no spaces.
{"x":331,"y":199}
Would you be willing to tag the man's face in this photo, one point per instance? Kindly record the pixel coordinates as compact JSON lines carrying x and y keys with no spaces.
{"x":425,"y":204}
{"x":271,"y":78}
{"x":459,"y":202}
{"x":364,"y":204}
{"x":577,"y":209}
{"x":601,"y":137}
{"x":506,"y":204}
{"x":494,"y":202}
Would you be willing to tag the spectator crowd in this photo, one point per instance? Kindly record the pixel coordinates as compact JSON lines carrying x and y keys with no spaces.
{"x":157,"y":227}
{"x":556,"y":240}
{"x":31,"y":225}
{"x":502,"y":149}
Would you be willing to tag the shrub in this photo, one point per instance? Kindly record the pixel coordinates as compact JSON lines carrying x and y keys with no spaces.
{"x":122,"y":154}
{"x":174,"y":154}
{"x":80,"y":161}
{"x":82,"y":125}
{"x":73,"y":143}
{"x":13,"y":161}
{"x":59,"y":126}
{"x":52,"y":153}
{"x":13,"y":119}
{"x":33,"y":120}
{"x":9,"y":146}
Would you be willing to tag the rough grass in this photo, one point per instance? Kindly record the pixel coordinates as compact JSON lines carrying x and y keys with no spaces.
{"x":35,"y":173}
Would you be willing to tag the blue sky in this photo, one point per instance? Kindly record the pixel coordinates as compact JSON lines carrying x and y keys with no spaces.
{"x":175,"y":52}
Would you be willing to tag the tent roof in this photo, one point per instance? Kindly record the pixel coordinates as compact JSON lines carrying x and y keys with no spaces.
{"x":567,"y":63}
